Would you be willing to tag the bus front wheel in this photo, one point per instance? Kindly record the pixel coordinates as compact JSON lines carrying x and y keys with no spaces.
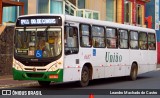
{"x":134,"y":71}
{"x":84,"y":77}
{"x":44,"y":83}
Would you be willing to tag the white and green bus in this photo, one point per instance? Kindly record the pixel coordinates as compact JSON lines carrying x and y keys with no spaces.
{"x":63,"y":48}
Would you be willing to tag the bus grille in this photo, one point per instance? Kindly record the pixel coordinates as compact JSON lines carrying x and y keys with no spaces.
{"x":34,"y":75}
{"x":31,"y":69}
{"x":35,"y":63}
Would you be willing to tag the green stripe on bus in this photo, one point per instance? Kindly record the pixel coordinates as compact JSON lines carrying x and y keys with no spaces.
{"x":39,"y":76}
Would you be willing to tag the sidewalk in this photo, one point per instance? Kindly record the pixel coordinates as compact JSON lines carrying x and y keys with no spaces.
{"x":8,"y":82}
{"x":158,"y":66}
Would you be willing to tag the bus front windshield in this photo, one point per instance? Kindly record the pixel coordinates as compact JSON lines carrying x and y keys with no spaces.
{"x":38,"y":42}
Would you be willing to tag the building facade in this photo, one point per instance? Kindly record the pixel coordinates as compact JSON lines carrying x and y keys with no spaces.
{"x":122,"y":11}
{"x":130,"y":12}
{"x":8,"y":10}
{"x":152,"y":10}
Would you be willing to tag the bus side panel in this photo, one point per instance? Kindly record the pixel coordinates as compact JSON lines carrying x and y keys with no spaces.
{"x":117,"y":61}
{"x":98,"y":62}
{"x":123,"y":62}
{"x":152,"y":60}
{"x":135,"y":56}
{"x":98,"y":72}
{"x":71,"y":68}
{"x":109,"y":71}
{"x":143,"y":64}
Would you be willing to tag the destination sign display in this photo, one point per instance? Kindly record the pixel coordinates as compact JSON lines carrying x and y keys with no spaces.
{"x":39,"y":21}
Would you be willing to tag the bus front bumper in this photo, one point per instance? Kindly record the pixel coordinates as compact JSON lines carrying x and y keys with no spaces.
{"x":55,"y":76}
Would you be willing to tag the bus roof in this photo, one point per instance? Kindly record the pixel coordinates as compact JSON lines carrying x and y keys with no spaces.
{"x":107,"y":23}
{"x":96,"y":22}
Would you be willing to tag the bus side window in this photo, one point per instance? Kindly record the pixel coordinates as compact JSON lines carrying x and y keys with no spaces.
{"x":143,"y":41}
{"x":71,"y":40}
{"x":98,"y":37}
{"x":123,"y":39}
{"x":134,"y":40}
{"x":151,"y":41}
{"x":85,"y":35}
{"x":111,"y":38}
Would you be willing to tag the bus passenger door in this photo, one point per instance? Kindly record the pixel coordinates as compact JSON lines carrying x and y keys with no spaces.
{"x":71,"y":49}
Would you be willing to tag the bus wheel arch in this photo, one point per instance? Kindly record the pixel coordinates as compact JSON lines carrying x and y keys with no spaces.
{"x":134,"y":71}
{"x":86,"y":74}
{"x":90,"y":70}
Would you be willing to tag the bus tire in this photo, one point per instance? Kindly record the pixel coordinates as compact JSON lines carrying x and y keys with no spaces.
{"x":134,"y":71}
{"x":44,"y":83}
{"x":84,"y":77}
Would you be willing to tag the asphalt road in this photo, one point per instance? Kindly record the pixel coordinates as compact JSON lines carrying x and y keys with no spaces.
{"x":150,"y":80}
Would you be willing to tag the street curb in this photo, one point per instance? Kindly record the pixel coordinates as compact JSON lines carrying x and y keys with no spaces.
{"x":7,"y":79}
{"x":18,"y":85}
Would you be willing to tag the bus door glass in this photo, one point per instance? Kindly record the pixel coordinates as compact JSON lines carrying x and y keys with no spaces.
{"x":71,"y":40}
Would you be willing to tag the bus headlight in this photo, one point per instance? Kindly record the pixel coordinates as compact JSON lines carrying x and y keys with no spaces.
{"x":54,"y":67}
{"x":17,"y":66}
